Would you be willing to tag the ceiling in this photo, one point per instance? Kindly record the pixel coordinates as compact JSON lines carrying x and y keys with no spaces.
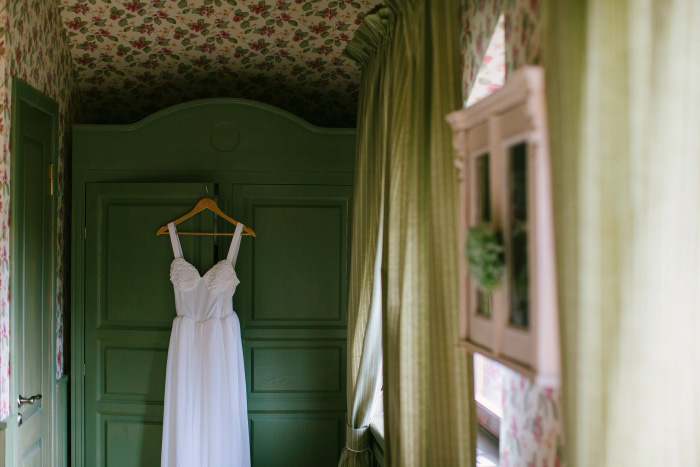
{"x":134,"y":57}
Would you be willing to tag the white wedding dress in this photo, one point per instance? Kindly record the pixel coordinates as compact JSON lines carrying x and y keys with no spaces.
{"x":205,"y":420}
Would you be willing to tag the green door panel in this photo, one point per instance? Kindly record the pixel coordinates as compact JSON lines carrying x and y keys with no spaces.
{"x":292,"y":301}
{"x":296,"y":440}
{"x":32,"y":277}
{"x":62,"y":447}
{"x":297,"y":266}
{"x":130,"y":306}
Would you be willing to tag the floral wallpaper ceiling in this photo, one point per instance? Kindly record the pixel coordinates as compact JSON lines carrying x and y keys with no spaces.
{"x":134,"y":57}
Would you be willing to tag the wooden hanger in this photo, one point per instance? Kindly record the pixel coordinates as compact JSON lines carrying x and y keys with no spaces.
{"x":206,"y":203}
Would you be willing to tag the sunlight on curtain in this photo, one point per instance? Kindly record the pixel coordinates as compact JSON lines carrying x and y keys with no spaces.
{"x":624,"y":106}
{"x":452,"y":408}
{"x":370,"y":49}
{"x":406,"y":317}
{"x":427,"y":380}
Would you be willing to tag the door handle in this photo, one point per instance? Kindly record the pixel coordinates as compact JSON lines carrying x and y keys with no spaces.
{"x":21,"y":400}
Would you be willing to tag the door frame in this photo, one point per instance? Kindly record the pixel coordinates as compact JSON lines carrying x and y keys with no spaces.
{"x":23,"y":93}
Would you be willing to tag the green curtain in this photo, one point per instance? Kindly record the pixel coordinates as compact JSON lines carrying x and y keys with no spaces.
{"x":624,"y":105}
{"x":452,"y":408}
{"x":370,"y":49}
{"x":428,"y":398}
{"x":406,"y":313}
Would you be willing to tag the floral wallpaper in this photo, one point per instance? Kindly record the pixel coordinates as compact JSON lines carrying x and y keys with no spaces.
{"x":492,"y":73}
{"x":33,"y":46}
{"x":4,"y":224}
{"x":523,"y":33}
{"x":531,"y":427}
{"x":479,"y":18}
{"x":134,"y":57}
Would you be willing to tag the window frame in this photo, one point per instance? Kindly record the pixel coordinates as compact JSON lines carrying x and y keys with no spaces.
{"x":514,"y":114}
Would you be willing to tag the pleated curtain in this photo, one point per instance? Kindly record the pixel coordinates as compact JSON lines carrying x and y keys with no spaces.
{"x":364,"y":379}
{"x":406,"y":314}
{"x":452,"y":417}
{"x":411,"y":80}
{"x":624,"y":102}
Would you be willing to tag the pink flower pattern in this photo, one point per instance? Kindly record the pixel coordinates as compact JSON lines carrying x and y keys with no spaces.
{"x":532,"y":426}
{"x":492,"y":73}
{"x":33,"y":46}
{"x":479,"y":18}
{"x":269,"y":50}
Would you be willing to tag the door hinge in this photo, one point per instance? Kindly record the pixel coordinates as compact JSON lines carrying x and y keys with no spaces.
{"x":85,"y":232}
{"x":51,"y":179}
{"x":84,"y":370}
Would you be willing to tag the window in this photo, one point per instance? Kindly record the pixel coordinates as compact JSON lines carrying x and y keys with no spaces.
{"x":520,"y":327}
{"x":505,"y":185}
{"x":488,"y":392}
{"x":505,"y":188}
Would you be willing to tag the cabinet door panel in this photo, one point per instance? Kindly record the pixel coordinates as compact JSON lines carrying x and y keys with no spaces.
{"x":296,"y":440}
{"x":129,"y":308}
{"x":294,"y":273}
{"x":292,"y":301}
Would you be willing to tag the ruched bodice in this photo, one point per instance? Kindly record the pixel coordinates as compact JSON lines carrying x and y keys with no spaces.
{"x":203,"y":297}
{"x":205,"y":417}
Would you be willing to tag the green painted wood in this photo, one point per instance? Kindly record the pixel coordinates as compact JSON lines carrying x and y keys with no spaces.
{"x":267,"y":137}
{"x":77,"y":323}
{"x":303,"y":260}
{"x":293,"y":303}
{"x":276,"y":173}
{"x":296,"y":369}
{"x":296,"y":440}
{"x":62,"y":443}
{"x":33,"y":211}
{"x":130,"y":307}
{"x":221,"y":177}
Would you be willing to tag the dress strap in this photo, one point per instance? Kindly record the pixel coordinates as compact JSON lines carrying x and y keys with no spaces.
{"x":175,"y":241}
{"x":235,"y":244}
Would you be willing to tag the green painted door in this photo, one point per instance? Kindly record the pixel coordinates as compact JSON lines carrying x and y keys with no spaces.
{"x":291,"y":303}
{"x":129,"y":309}
{"x":32,"y":279}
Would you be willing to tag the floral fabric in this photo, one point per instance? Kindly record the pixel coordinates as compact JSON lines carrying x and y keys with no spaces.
{"x":33,"y":46}
{"x":134,"y":57}
{"x":531,"y":427}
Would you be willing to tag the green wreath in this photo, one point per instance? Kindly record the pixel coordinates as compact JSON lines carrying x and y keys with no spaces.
{"x":485,"y":257}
